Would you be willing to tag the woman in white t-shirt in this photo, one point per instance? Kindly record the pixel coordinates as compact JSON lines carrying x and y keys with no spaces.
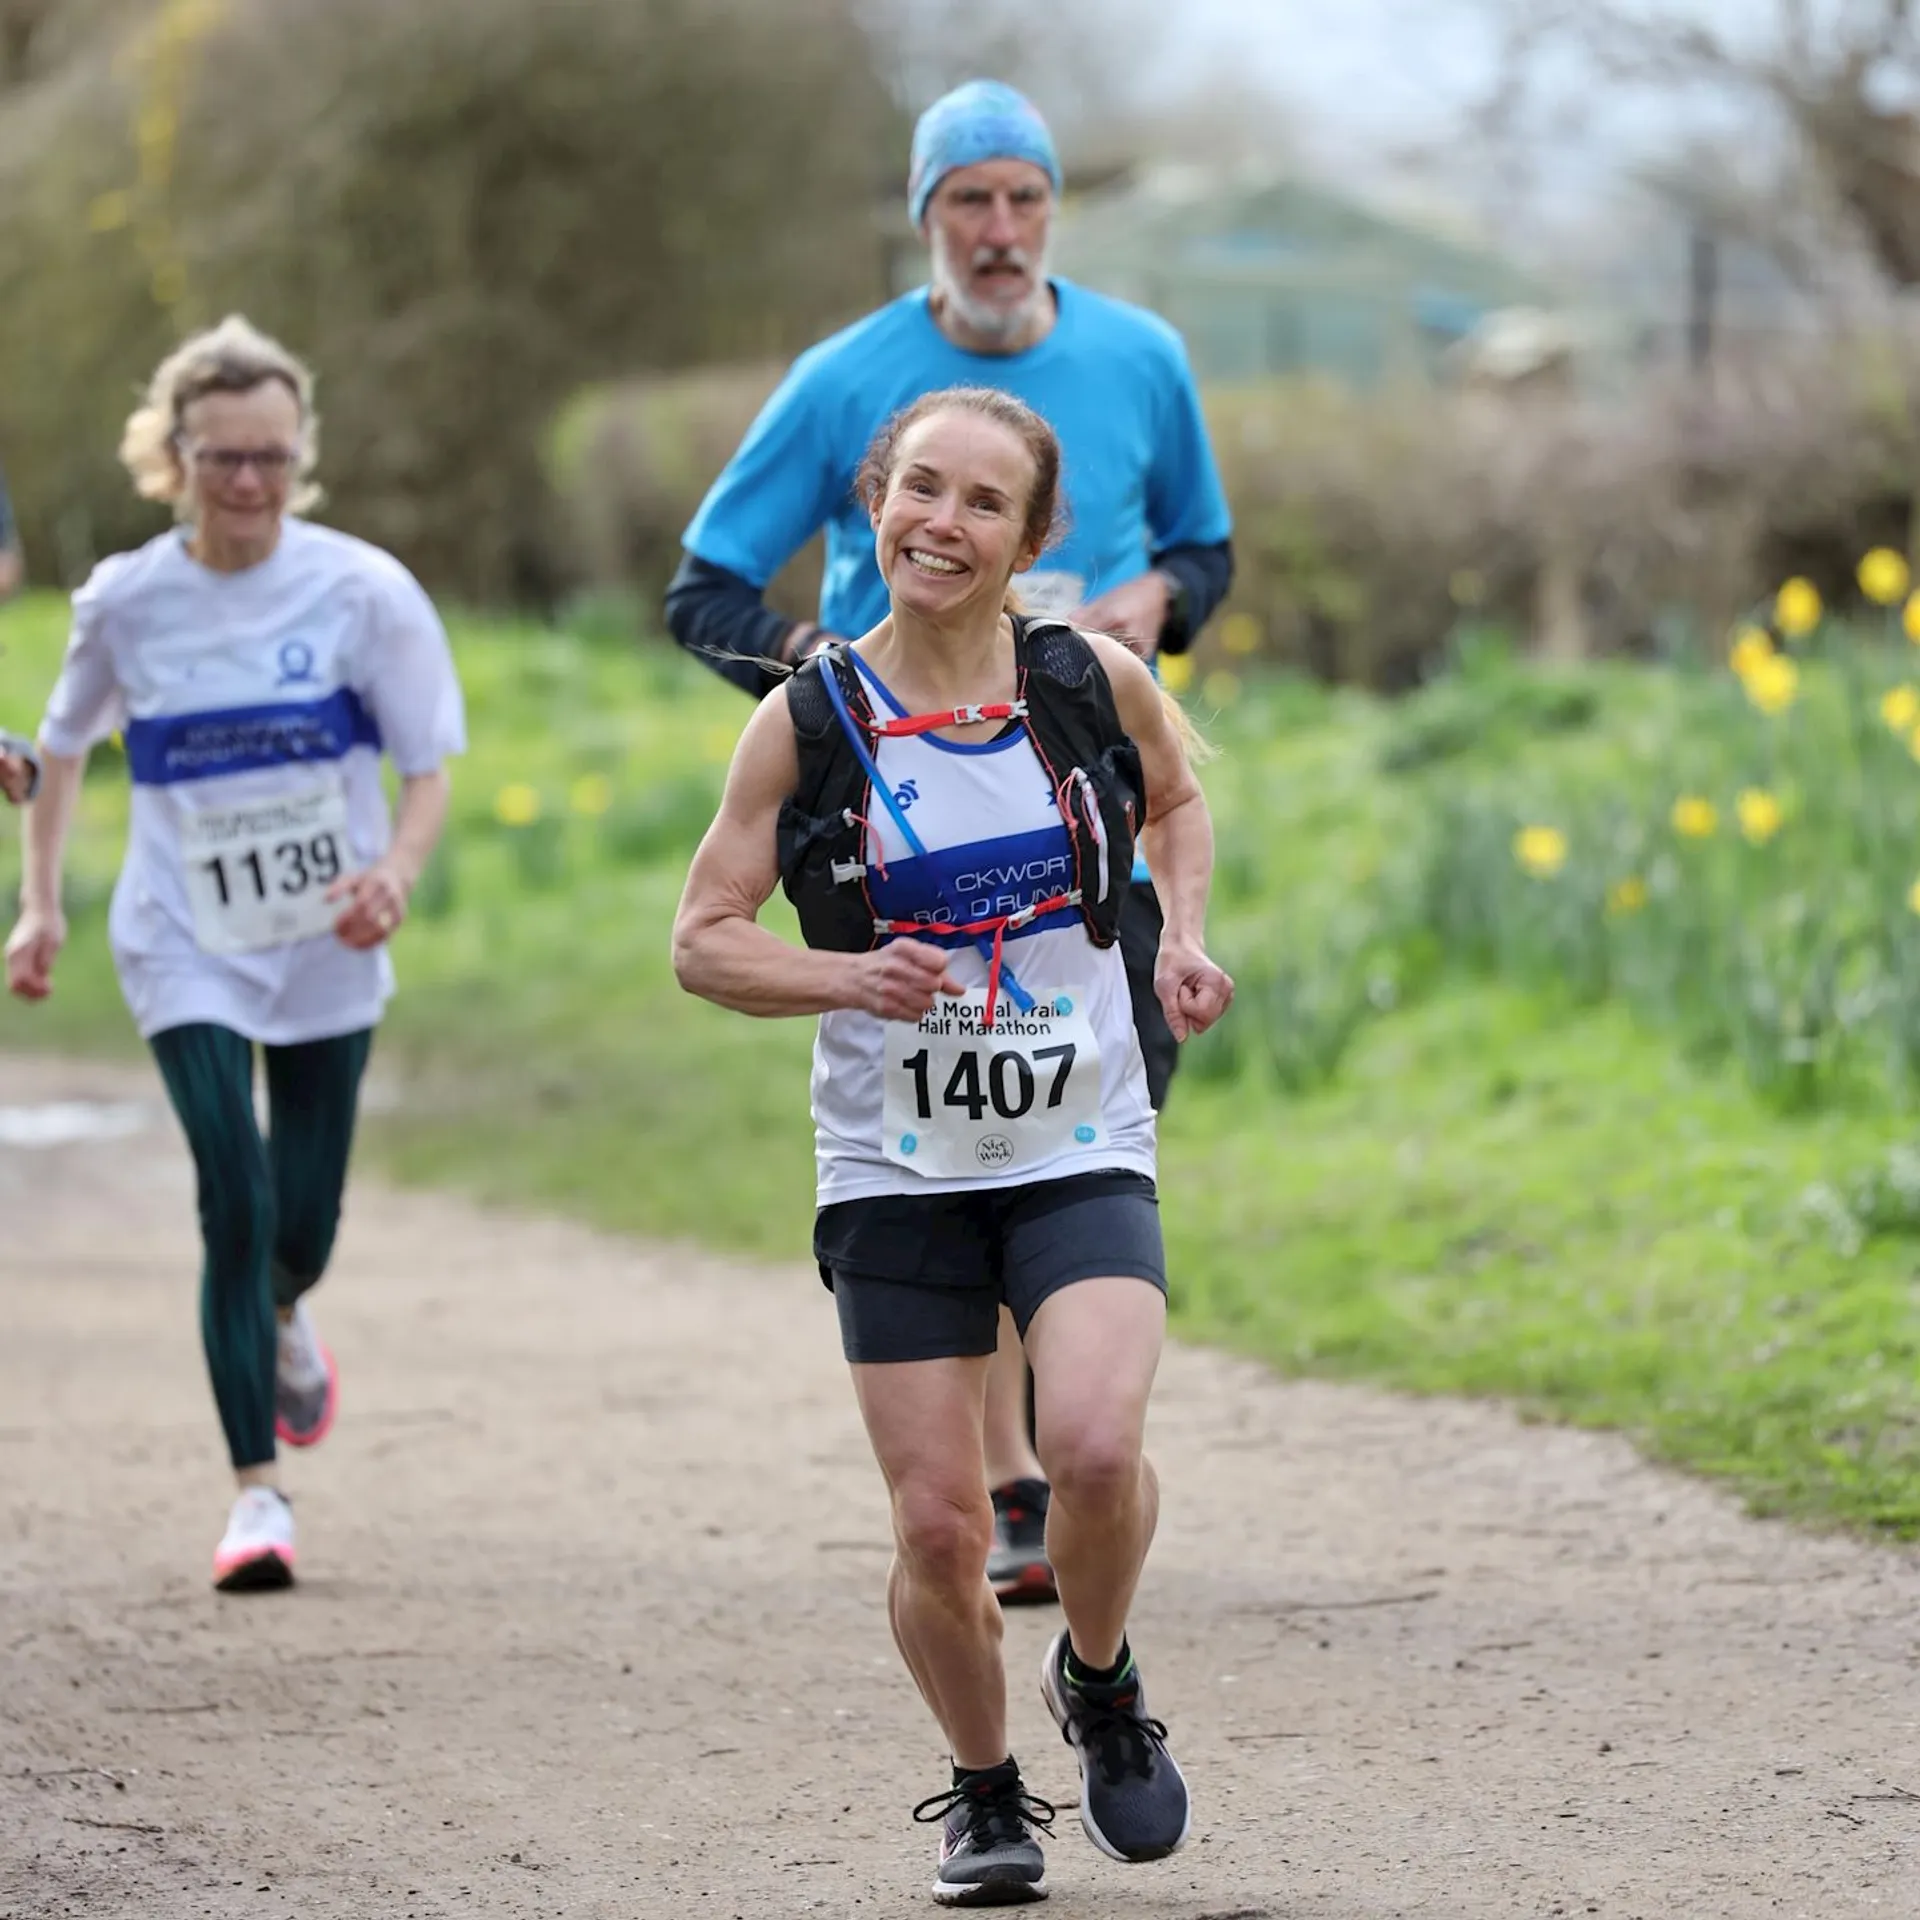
{"x":257,"y":666}
{"x":951,"y":804}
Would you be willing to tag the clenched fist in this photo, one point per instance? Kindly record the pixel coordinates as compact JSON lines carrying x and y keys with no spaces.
{"x":903,"y":980}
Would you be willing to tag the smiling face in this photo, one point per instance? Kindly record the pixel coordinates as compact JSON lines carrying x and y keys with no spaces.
{"x":987,"y":226}
{"x":951,"y":528}
{"x":240,"y":453}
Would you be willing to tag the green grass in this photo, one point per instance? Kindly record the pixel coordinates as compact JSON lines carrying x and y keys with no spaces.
{"x":1389,"y":1165}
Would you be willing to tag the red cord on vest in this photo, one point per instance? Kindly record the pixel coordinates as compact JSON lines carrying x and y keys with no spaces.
{"x":872,"y":840}
{"x":999,"y":926}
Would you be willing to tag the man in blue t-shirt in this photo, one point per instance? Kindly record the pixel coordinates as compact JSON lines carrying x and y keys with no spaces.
{"x":1146,"y":556}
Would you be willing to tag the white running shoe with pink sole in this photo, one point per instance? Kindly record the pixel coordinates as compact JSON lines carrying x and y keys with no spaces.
{"x":255,"y":1553}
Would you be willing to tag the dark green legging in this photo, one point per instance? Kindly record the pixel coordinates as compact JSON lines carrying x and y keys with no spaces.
{"x":269,"y":1208}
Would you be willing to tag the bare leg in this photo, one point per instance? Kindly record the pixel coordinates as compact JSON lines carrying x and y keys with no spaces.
{"x":1095,"y":1348}
{"x":1009,"y":1447}
{"x":924,"y":1419}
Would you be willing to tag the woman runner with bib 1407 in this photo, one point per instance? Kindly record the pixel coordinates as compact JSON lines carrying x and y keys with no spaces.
{"x":951,"y":805}
{"x":258,"y":666}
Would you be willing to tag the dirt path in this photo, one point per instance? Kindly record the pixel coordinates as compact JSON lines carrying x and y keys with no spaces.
{"x":591,"y":1619}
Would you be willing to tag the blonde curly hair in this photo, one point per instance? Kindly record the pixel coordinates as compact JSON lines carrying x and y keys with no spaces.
{"x":234,"y":357}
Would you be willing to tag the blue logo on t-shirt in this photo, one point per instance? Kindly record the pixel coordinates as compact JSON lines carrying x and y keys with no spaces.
{"x":296,"y":665}
{"x":905,"y":794}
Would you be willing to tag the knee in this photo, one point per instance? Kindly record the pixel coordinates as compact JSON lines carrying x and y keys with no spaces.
{"x":944,"y":1535}
{"x":238,"y":1221}
{"x":1094,"y":1469}
{"x":303,"y":1244}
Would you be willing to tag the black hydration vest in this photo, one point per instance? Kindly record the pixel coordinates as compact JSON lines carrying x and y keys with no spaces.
{"x":1093,"y":766}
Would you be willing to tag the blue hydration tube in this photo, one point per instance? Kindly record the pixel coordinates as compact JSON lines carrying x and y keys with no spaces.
{"x":1018,"y":994}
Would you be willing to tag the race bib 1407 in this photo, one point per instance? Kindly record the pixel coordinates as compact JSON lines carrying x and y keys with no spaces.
{"x":257,"y":875}
{"x":964,"y":1099}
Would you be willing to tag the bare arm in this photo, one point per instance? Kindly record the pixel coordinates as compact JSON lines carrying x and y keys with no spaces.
{"x":723,"y":954}
{"x":1178,"y":838}
{"x":376,"y":897}
{"x":42,"y":927}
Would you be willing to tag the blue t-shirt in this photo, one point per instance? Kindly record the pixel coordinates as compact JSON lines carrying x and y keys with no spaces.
{"x":1111,"y":379}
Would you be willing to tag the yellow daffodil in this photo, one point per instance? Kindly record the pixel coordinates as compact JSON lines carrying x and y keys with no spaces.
{"x":1760,"y":815}
{"x":1695,"y":818}
{"x":1542,"y":851}
{"x":1774,"y":684}
{"x":1797,"y":609}
{"x":109,"y":212}
{"x":516,"y":805}
{"x":1900,"y":708}
{"x":1910,"y":619}
{"x":1885,"y":577}
{"x":592,"y":795}
{"x":1176,"y":671}
{"x":1221,"y":688}
{"x":1240,"y":634}
{"x":1626,"y":896}
{"x":1751,"y":650}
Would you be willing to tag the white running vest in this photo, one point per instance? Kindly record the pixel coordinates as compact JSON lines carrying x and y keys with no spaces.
{"x":1053,"y":1090}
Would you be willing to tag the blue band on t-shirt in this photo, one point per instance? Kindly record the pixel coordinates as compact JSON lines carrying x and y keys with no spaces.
{"x":205,"y":746}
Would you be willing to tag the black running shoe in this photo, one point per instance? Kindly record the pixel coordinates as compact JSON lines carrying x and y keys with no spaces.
{"x":1133,"y":1797}
{"x":1017,"y":1566}
{"x":988,"y":1854}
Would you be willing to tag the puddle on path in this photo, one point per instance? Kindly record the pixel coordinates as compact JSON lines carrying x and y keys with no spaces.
{"x":67,"y":1123}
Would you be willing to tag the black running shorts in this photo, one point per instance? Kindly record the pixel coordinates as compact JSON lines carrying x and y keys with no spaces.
{"x":922,"y":1276}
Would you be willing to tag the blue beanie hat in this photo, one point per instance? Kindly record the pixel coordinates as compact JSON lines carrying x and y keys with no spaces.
{"x":983,"y":120}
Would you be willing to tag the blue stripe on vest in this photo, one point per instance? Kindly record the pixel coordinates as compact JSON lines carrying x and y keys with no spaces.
{"x":978,"y":881}
{"x":204,"y":746}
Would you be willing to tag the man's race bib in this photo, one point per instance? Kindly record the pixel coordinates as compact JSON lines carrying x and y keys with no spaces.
{"x":964,"y":1099}
{"x":257,"y":875}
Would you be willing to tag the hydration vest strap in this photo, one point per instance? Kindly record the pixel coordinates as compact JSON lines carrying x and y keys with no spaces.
{"x":831,"y":680}
{"x":915,"y":723}
{"x":998,"y":927}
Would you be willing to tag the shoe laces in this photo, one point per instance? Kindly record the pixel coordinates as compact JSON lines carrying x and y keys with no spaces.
{"x":999,"y":1813}
{"x":1121,"y":1738}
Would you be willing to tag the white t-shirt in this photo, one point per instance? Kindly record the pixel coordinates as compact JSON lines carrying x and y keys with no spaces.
{"x":247,"y":701}
{"x":952,"y":1104}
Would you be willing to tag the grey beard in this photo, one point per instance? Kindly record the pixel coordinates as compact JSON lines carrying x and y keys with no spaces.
{"x":994,"y":322}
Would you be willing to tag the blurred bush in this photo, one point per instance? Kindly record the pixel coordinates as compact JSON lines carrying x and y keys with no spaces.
{"x":463,"y":215}
{"x":1372,"y":531}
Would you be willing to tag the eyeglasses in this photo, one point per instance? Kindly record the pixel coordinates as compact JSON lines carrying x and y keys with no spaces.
{"x":271,"y":463}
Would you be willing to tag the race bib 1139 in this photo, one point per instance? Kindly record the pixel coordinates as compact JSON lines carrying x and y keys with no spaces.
{"x":257,"y":874}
